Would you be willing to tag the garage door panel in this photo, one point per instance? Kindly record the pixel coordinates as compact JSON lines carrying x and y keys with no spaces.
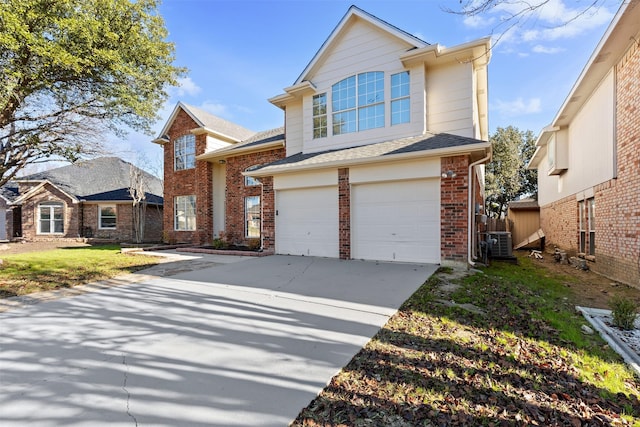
{"x":307,"y":221}
{"x":396,"y":221}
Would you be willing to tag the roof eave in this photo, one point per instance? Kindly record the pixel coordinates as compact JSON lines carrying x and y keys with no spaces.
{"x":484,"y":147}
{"x":211,"y":132}
{"x":232,"y":152}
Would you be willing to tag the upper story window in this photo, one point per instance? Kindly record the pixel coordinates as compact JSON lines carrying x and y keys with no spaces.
{"x":107,"y":217}
{"x":400,"y":98}
{"x":185,"y":152}
{"x":250,"y":181}
{"x":50,"y":218}
{"x":357,"y":103}
{"x":320,"y":116}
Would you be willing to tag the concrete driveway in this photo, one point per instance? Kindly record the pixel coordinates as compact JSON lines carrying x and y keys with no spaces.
{"x":247,"y":343}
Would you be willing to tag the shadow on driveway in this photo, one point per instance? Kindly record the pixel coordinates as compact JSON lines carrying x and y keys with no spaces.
{"x":242,"y":344}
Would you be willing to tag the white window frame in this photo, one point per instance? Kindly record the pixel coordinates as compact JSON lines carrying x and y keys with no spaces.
{"x":184,"y":213}
{"x":100,"y":217}
{"x":254,"y":221}
{"x":51,"y":206}
{"x":250,"y":181}
{"x":184,"y":152}
{"x":320,"y":123}
{"x":400,"y":96}
{"x":362,"y":98}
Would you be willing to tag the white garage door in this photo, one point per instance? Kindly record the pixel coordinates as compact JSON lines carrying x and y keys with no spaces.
{"x":396,"y":221}
{"x":307,"y":222}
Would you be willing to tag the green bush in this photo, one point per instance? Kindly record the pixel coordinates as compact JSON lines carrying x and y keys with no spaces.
{"x":624,"y":312}
{"x":219,"y":243}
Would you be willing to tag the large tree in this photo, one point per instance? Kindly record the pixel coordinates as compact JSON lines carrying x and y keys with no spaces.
{"x":72,"y":70}
{"x":506,"y":175}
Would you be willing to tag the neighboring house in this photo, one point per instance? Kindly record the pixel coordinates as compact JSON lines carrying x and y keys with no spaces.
{"x":588,"y":159}
{"x":89,"y":199}
{"x":386,"y":137}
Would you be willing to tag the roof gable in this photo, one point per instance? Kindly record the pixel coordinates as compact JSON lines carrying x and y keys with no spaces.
{"x":87,"y":178}
{"x":353,"y":15}
{"x":206,"y":122}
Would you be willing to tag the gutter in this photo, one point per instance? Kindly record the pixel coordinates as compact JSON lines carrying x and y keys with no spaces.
{"x":470,"y":210}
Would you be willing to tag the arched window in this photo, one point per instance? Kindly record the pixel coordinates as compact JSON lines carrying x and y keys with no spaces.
{"x":357,"y":103}
{"x":51,"y":218}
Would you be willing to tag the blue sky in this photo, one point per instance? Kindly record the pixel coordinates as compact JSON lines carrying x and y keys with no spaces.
{"x":240,"y":53}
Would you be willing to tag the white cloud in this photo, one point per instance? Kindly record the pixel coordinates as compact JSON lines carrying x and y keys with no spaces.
{"x":549,"y":20}
{"x":477,"y":21}
{"x":548,"y":50}
{"x":216,"y":108}
{"x":517,"y":107}
{"x":186,"y":86}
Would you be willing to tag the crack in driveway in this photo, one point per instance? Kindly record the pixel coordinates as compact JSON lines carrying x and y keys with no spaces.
{"x":124,"y":387}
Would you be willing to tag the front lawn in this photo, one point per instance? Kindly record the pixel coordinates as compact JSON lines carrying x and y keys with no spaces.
{"x":494,"y":349}
{"x":22,"y":274}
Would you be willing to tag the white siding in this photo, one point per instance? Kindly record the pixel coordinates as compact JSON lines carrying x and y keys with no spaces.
{"x":590,"y":148}
{"x":450,"y":99}
{"x":293,"y":129}
{"x":362,"y":48}
{"x":429,"y":168}
{"x":215,"y":144}
{"x":304,"y":180}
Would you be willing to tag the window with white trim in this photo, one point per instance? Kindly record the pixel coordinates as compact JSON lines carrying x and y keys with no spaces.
{"x":51,"y":218}
{"x":320,"y":115}
{"x":400,"y":105}
{"x":184,"y":211}
{"x":185,"y":152}
{"x":107,"y":217}
{"x":357,"y":103}
{"x":250,"y":181}
{"x":252,"y":216}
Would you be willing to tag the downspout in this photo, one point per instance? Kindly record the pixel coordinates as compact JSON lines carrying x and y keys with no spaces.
{"x":472,"y":210}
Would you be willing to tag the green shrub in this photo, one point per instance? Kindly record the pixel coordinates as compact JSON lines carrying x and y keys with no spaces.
{"x":218,"y":243}
{"x":624,"y":312}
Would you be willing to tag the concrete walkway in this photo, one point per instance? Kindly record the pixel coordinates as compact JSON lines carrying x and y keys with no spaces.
{"x":248,"y":343}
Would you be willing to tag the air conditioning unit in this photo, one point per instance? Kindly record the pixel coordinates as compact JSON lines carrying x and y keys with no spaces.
{"x":501,"y":246}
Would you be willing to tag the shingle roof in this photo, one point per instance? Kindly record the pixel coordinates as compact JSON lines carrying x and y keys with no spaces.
{"x":217,"y":124}
{"x":101,"y":179}
{"x":9,"y":191}
{"x":524,"y":204}
{"x":424,"y":142}
{"x":260,"y":138}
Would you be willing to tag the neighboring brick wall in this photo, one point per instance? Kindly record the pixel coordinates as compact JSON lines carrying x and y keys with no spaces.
{"x":153,"y":224}
{"x":559,"y":221}
{"x":618,"y":201}
{"x":49,"y":193}
{"x":197,"y":181}
{"x":237,"y":191}
{"x":453,"y":210}
{"x":344,"y":213}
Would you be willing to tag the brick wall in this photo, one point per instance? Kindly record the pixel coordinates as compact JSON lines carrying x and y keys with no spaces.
{"x":237,"y":190}
{"x":559,"y":220}
{"x":124,"y":231}
{"x":617,"y":201}
{"x":197,"y":181}
{"x":453,"y":210}
{"x":268,"y":214}
{"x":344,"y":213}
{"x":49,"y":193}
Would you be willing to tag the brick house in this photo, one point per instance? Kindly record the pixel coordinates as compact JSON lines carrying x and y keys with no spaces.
{"x":590,"y":156}
{"x":86,"y":200}
{"x":381,"y":156}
